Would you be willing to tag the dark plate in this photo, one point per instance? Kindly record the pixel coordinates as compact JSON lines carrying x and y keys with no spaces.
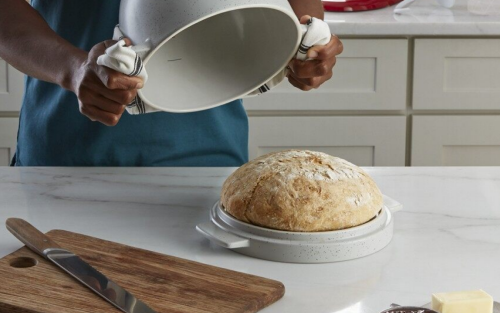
{"x":427,"y":309}
{"x":408,"y":309}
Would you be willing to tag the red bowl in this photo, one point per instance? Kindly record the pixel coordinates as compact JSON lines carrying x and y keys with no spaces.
{"x":356,"y":5}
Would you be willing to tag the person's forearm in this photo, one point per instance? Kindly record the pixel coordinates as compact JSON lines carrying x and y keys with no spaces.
{"x":313,"y":8}
{"x":31,"y":46}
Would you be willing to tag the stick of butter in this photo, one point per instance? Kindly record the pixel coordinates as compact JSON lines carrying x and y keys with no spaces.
{"x":476,"y":301}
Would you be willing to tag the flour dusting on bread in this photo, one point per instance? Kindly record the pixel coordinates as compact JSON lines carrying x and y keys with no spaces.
{"x":300,"y":190}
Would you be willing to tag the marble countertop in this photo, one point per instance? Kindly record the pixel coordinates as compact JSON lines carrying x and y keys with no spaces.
{"x":446,"y":238}
{"x":424,"y":18}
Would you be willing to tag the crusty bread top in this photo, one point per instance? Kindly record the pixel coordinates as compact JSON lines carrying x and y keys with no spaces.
{"x":301,"y":191}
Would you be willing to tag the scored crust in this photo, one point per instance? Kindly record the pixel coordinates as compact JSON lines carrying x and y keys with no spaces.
{"x":303,"y":191}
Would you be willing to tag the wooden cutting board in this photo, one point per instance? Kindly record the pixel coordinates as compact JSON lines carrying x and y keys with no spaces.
{"x":167,"y":284}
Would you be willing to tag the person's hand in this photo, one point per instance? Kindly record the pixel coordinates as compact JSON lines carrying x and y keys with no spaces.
{"x":102,"y":92}
{"x":311,"y":74}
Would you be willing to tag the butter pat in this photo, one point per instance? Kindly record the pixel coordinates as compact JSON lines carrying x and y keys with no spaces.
{"x":476,"y":301}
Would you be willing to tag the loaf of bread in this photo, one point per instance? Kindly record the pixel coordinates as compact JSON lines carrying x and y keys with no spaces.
{"x":301,"y":191}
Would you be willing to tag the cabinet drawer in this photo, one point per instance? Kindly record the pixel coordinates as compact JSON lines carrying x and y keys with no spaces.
{"x":11,"y":87}
{"x":369,"y":75}
{"x":456,"y":141}
{"x":462,"y":74}
{"x":8,"y":139}
{"x":364,"y":141}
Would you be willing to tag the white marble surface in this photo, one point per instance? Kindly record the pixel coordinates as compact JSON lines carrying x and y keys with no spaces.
{"x":424,"y":17}
{"x":446,"y":238}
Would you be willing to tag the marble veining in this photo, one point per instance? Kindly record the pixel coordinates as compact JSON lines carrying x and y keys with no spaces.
{"x":446,"y":238}
{"x":423,"y":17}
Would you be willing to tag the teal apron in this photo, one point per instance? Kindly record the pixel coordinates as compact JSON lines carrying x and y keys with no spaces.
{"x":52,"y":132}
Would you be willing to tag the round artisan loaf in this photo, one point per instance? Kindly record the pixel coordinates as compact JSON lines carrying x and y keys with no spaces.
{"x":302,"y":191}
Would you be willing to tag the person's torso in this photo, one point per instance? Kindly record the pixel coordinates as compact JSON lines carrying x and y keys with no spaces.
{"x":52,"y":131}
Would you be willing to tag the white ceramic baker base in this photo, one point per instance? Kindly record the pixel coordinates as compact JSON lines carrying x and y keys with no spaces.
{"x":301,"y":247}
{"x":446,"y":238}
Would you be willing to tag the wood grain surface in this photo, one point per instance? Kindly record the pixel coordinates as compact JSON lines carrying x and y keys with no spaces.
{"x":165,"y":283}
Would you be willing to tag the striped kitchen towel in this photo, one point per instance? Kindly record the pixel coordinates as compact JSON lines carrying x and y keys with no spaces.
{"x":126,"y":60}
{"x":314,"y":33}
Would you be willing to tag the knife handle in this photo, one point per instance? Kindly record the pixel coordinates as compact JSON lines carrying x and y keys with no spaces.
{"x":30,"y":236}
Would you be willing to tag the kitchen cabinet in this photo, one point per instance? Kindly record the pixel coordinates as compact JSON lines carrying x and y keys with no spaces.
{"x":452,"y":74}
{"x":456,"y":140}
{"x":370,"y":74}
{"x":457,"y":74}
{"x":8,"y":138}
{"x":365,"y":141}
{"x":11,"y":88}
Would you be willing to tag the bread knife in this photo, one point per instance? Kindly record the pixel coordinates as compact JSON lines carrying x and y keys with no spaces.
{"x":76,"y":267}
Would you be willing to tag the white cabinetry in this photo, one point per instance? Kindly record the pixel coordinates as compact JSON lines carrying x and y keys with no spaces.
{"x":8,"y":137}
{"x":457,"y":74}
{"x":11,"y":88}
{"x":370,"y":74}
{"x":365,"y":141}
{"x":456,"y":140}
{"x":11,"y":93}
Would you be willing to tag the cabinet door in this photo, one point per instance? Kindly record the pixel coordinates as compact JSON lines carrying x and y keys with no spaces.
{"x":462,"y":74}
{"x":364,"y":141}
{"x":456,"y":141}
{"x":369,"y":75}
{"x":11,"y":88}
{"x":8,"y":139}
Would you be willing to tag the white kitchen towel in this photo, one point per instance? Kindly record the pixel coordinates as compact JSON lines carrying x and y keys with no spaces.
{"x":125,"y":60}
{"x":315,"y":32}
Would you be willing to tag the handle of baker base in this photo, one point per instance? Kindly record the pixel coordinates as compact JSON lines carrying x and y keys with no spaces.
{"x":392,"y":204}
{"x":221,"y":237}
